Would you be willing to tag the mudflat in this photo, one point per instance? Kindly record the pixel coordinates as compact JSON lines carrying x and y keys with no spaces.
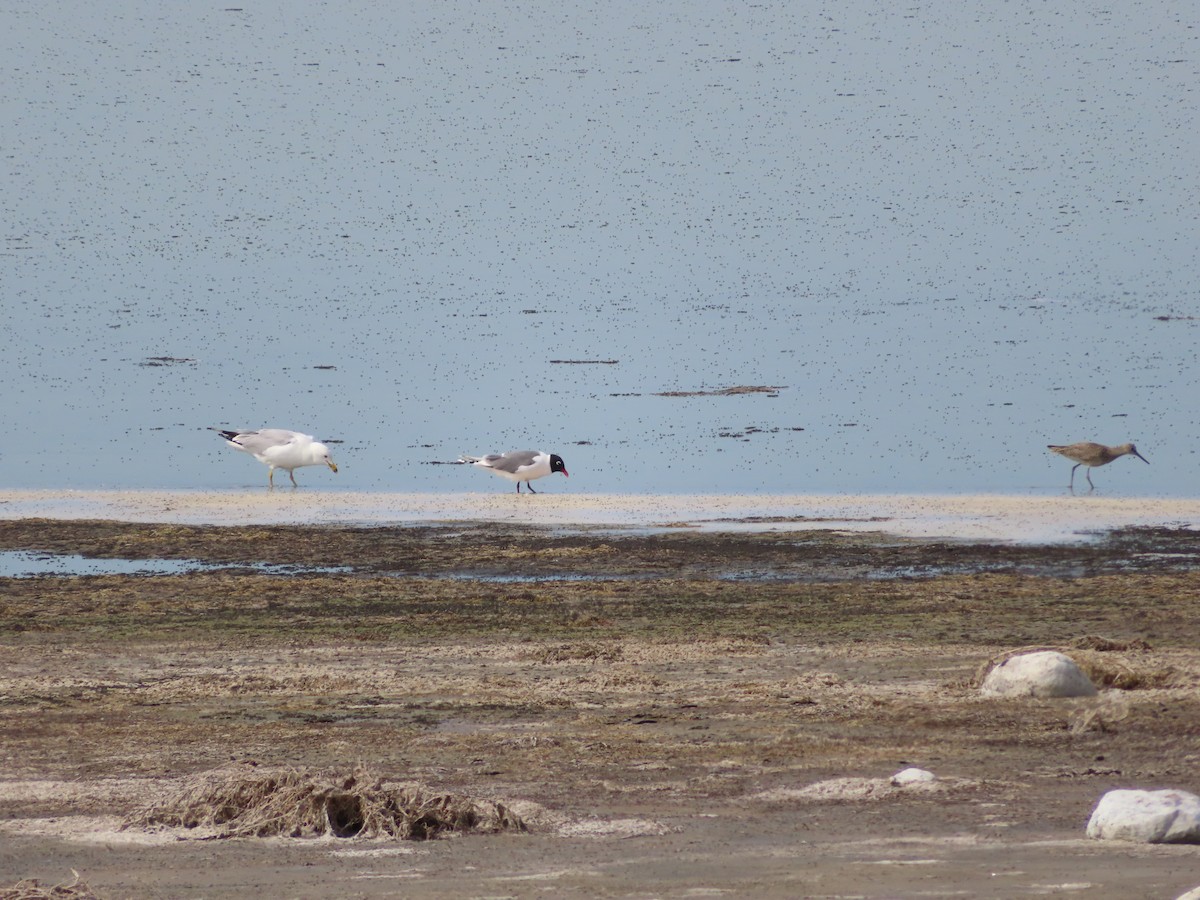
{"x":670,"y":711}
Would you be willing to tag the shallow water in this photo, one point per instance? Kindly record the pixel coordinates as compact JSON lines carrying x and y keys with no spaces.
{"x":33,"y":563}
{"x":948,"y":236}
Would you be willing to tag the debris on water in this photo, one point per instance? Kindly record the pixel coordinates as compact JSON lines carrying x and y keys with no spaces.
{"x":737,"y":390}
{"x":584,"y":362}
{"x":165,"y":360}
{"x":747,"y":431}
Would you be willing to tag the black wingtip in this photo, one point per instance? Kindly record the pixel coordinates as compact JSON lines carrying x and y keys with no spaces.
{"x":228,"y":435}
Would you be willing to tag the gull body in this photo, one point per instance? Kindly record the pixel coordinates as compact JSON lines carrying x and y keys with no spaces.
{"x":1087,"y":453}
{"x":520,"y":465}
{"x":279,"y":448}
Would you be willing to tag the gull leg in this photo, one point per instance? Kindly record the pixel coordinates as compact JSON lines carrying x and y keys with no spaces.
{"x":292,"y":475}
{"x":530,"y":486}
{"x":271,"y":476}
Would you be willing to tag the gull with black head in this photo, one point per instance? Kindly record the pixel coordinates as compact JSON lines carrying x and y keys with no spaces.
{"x":519,"y":465}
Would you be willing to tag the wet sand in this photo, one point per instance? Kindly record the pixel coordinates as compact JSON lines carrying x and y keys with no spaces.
{"x":975,"y":517}
{"x":676,"y":711}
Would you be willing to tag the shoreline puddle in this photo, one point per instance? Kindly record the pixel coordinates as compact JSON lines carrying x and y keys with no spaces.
{"x":39,"y":564}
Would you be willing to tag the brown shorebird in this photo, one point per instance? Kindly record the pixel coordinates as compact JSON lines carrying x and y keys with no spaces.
{"x":1089,"y":454}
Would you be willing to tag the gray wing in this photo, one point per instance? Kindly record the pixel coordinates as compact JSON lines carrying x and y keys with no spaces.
{"x":512,"y":460}
{"x":265,"y":438}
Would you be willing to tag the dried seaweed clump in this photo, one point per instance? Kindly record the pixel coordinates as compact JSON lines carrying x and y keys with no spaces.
{"x":581,"y":652}
{"x":1092,"y":653}
{"x":1096,"y":642}
{"x":1115,"y":673}
{"x":30,"y":889}
{"x":290,"y":803}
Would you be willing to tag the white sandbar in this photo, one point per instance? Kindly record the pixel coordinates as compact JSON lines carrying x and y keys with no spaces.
{"x":973,"y":517}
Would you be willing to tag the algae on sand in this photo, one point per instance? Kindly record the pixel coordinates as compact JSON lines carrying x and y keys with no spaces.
{"x":294,"y":803}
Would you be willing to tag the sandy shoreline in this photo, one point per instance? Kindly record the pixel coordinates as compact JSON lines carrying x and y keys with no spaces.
{"x":972,"y":517}
{"x":675,"y":713}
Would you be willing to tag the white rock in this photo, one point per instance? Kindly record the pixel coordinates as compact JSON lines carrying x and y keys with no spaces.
{"x":1044,"y":673}
{"x":1193,"y":894}
{"x":912,"y":775}
{"x":1151,"y":817}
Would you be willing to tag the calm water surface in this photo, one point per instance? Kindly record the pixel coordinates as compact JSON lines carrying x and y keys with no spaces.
{"x":947,"y":234}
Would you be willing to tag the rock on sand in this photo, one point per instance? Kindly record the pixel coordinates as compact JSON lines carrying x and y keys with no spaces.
{"x":1149,"y":817}
{"x":912,"y":775}
{"x":1043,"y":673}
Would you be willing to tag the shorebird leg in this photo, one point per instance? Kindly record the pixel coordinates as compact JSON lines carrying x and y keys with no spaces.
{"x":1088,"y":473}
{"x":1073,"y":468}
